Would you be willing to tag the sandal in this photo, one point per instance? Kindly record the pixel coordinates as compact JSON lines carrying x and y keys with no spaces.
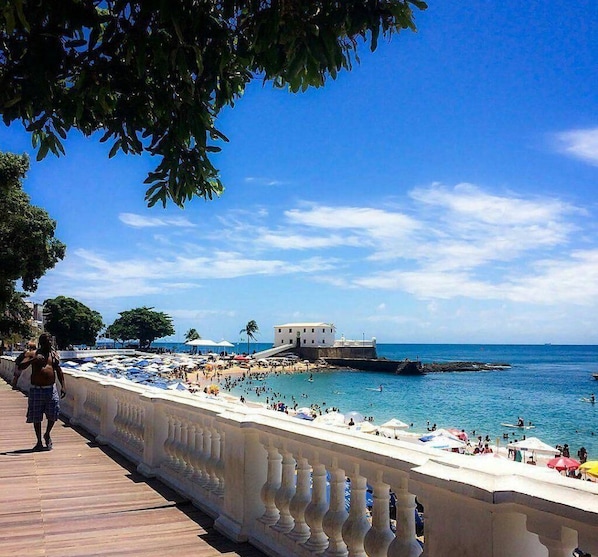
{"x":48,"y":442}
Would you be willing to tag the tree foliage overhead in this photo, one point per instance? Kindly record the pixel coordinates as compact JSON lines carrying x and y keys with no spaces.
{"x":71,"y":322}
{"x":141,"y":324}
{"x":15,"y":318}
{"x":152,"y":75}
{"x":27,"y":244}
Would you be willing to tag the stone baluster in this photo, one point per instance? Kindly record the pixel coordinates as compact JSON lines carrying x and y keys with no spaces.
{"x":118,"y":420}
{"x":169,"y":443}
{"x":178,"y":447}
{"x":550,"y":534}
{"x":337,"y":513}
{"x":205,"y":457}
{"x":357,"y":525}
{"x":405,"y":543}
{"x":220,"y":473}
{"x":285,"y":493}
{"x":197,"y":455}
{"x":380,"y":535}
{"x":184,"y":447}
{"x":315,"y":511}
{"x":128,"y":421}
{"x":191,"y":438}
{"x":299,"y":502}
{"x":271,"y":486}
{"x":212,"y":462}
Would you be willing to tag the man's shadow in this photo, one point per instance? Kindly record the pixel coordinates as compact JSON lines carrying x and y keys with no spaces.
{"x":23,"y":451}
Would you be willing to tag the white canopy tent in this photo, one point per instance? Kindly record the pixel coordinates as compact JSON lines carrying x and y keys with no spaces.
{"x":201,"y":342}
{"x":533,"y":444}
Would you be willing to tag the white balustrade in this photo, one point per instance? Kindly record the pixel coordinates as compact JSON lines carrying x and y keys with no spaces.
{"x":315,"y":511}
{"x":300,"y":501}
{"x":337,"y":514}
{"x":271,"y":486}
{"x":357,"y":524}
{"x":285,"y":493}
{"x":380,"y":535}
{"x":202,"y":446}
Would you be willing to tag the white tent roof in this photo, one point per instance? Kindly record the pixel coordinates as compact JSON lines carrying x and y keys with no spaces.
{"x":533,"y":444}
{"x":201,"y":342}
{"x":394,"y":423}
{"x":225,"y":344}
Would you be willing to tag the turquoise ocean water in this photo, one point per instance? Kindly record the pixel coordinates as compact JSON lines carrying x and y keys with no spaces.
{"x":544,"y":385}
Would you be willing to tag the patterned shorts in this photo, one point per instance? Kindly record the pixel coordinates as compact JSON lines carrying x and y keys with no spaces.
{"x":43,"y":400}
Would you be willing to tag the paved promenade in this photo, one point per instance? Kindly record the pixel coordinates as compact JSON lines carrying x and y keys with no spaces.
{"x":82,"y":499}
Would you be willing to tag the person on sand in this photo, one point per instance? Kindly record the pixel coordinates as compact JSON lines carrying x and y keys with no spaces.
{"x":43,"y":397}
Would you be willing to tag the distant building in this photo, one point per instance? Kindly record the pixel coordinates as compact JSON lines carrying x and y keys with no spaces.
{"x":37,"y":314}
{"x":305,"y":335}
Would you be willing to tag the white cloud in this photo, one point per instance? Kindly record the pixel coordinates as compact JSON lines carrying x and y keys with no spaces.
{"x":263,"y":181}
{"x":143,"y":221}
{"x":581,"y":144}
{"x":442,"y":243}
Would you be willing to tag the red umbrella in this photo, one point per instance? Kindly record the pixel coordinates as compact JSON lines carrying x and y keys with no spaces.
{"x":563,"y":463}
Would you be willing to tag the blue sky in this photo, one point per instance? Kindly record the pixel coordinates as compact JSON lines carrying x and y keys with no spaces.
{"x":442,"y":191}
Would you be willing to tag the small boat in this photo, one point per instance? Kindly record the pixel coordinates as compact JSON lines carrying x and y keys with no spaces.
{"x":519,"y":426}
{"x":595,"y":376}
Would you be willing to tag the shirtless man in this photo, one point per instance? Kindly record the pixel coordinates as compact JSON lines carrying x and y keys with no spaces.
{"x":43,"y":396}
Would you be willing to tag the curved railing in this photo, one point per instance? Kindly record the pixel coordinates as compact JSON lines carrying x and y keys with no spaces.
{"x":283,"y":484}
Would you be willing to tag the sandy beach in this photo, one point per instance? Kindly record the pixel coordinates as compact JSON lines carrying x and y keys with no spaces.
{"x":233,"y":375}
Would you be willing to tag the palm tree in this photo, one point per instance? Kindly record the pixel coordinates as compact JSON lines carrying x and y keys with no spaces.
{"x":250,"y":330}
{"x":192,"y":334}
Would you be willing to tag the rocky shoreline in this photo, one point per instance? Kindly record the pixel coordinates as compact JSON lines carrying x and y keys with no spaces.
{"x":436,"y":367}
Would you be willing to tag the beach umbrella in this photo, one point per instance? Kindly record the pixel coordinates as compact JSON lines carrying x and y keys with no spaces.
{"x":439,"y":433}
{"x":563,"y":463}
{"x":533,"y":444}
{"x":394,"y":423}
{"x":331,"y":418}
{"x":366,"y":427}
{"x":589,"y":467}
{"x":459,"y":433}
{"x":225,"y":344}
{"x":443,"y":442}
{"x":355,"y":416}
{"x":304,"y":416}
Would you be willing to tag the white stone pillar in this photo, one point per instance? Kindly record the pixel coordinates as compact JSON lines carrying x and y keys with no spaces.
{"x":212,"y":463}
{"x":219,"y":471}
{"x":107,"y":414}
{"x":405,"y":543}
{"x":155,"y":433}
{"x":337,"y":514}
{"x":357,"y":525}
{"x":315,"y":511}
{"x":550,"y":534}
{"x":205,"y":456}
{"x":285,"y":493}
{"x":271,"y":486}
{"x":380,"y":536}
{"x":299,"y":502}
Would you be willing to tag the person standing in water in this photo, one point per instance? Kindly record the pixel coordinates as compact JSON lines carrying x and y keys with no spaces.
{"x":43,"y":395}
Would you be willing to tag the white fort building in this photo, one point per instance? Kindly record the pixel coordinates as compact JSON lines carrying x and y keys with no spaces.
{"x":305,"y":334}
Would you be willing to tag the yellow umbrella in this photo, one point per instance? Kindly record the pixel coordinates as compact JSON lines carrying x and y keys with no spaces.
{"x":590,"y":467}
